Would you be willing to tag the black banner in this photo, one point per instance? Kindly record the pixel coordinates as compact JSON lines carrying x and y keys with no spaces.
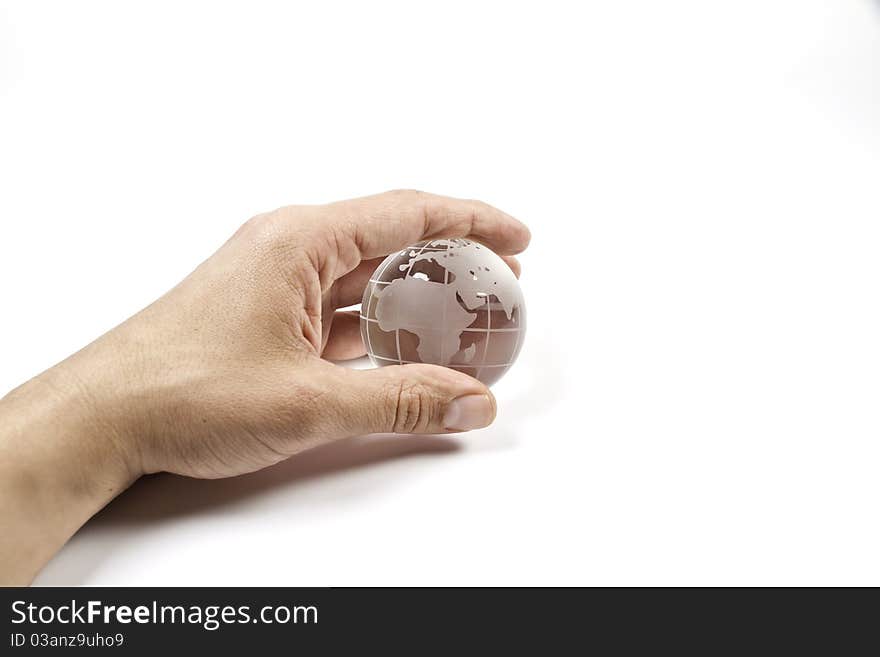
{"x":546,"y":621}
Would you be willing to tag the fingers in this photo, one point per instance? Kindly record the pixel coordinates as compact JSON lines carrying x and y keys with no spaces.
{"x":349,"y":289}
{"x":345,"y":340}
{"x":380,"y":224}
{"x":413,"y":399}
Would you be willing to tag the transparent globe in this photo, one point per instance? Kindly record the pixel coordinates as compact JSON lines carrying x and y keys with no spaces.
{"x":450,"y":302}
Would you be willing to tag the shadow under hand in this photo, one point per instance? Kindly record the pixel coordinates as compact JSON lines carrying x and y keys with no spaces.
{"x":163,"y":496}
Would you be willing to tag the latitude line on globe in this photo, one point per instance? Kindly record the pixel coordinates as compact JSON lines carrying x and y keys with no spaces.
{"x":452,"y":366}
{"x":464,"y":330}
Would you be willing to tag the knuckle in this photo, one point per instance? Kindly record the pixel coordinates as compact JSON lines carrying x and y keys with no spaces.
{"x":252,"y":226}
{"x":405,"y":192}
{"x":260,"y":230}
{"x":413,"y":407}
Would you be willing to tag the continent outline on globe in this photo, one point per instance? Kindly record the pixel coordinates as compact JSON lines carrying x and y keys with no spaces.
{"x":450,"y":302}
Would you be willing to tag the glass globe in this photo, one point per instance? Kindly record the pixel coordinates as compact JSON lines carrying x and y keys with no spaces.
{"x":450,"y":302}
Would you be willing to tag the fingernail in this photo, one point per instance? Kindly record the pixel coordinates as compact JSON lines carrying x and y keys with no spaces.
{"x":468,"y":412}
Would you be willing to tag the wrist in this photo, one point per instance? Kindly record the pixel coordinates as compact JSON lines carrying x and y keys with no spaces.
{"x":62,"y":459}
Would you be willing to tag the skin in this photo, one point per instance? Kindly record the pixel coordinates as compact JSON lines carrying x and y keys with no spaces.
{"x":229,"y":372}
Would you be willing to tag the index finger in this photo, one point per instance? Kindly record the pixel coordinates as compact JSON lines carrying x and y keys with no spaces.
{"x":383,"y":223}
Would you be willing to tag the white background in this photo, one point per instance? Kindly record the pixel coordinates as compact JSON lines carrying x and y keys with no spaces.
{"x":698,"y":399}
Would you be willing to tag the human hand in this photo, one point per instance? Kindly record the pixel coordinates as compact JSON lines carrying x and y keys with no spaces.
{"x":227,"y":372}
{"x":231,"y":366}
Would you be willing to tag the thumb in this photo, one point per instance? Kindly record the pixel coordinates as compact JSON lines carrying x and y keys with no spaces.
{"x":414,"y":398}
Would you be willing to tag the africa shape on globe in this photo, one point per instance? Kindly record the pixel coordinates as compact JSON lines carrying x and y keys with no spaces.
{"x":449,"y":302}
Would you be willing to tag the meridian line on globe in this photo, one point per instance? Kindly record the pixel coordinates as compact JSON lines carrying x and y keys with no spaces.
{"x":377,"y":274}
{"x":397,"y":330}
{"x":443,"y":323}
{"x":488,"y":335}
